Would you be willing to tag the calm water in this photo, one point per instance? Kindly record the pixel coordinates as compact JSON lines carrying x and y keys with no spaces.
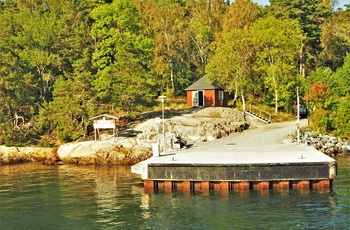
{"x":34,"y":196}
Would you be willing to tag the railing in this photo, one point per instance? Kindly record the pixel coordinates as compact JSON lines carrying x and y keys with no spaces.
{"x":259,"y":112}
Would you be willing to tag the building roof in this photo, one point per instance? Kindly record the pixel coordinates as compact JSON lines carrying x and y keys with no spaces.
{"x":103,"y":116}
{"x":203,"y":83}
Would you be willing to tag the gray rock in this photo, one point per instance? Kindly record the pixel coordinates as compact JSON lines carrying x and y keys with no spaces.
{"x":202,"y":125}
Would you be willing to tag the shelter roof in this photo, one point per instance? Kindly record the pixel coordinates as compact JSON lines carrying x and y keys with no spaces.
{"x":103,"y":116}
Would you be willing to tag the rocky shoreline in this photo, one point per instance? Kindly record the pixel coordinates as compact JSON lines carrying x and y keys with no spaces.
{"x":331,"y":146}
{"x":135,"y":144}
{"x":14,"y":155}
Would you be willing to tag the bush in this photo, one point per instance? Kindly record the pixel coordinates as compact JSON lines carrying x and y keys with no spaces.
{"x":342,"y":119}
{"x":319,"y":121}
{"x":19,"y":137}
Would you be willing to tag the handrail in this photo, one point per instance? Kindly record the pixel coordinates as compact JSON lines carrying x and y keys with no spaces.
{"x":260,"y":112}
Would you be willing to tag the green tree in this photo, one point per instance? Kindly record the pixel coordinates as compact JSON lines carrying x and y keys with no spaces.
{"x":19,"y":94}
{"x":167,"y":25}
{"x":339,"y":81}
{"x":37,"y":40}
{"x":320,"y":121}
{"x":310,"y":15}
{"x":278,"y":42}
{"x":342,"y":118}
{"x":241,"y":14}
{"x":232,"y":61}
{"x":340,"y":26}
{"x":336,"y":39}
{"x":66,"y":115}
{"x":204,"y":23}
{"x":122,"y":57}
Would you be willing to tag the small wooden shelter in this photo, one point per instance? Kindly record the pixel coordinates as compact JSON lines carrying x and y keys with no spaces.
{"x":205,"y":94}
{"x":104,"y":121}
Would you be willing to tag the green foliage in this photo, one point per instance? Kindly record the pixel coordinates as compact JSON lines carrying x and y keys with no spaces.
{"x":311,"y":16}
{"x":122,"y":57}
{"x":277,"y":42}
{"x":200,"y":31}
{"x":319,"y":75}
{"x":342,"y":118}
{"x":320,"y":121}
{"x":240,"y":15}
{"x":340,"y":80}
{"x":63,"y":62}
{"x":335,"y":40}
{"x":232,"y":62}
{"x":19,"y":137}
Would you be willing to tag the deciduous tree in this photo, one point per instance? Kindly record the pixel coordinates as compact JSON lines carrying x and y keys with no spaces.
{"x":122,"y":57}
{"x":336,"y":39}
{"x":310,"y":15}
{"x":234,"y":55}
{"x":278,"y":42}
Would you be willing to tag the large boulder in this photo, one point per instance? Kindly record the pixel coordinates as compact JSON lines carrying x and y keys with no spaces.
{"x":13,"y":155}
{"x":332,"y":146}
{"x":135,"y":144}
{"x":103,"y":152}
{"x":204,"y":125}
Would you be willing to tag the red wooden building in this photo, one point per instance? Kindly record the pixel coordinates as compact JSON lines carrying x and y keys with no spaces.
{"x":205,"y":94}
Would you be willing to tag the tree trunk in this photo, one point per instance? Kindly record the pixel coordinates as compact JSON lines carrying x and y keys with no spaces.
{"x":235,"y":96}
{"x":302,"y":65}
{"x":243,"y":99}
{"x":276,"y":101}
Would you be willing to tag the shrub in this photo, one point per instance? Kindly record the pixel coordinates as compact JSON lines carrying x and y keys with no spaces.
{"x":342,"y":119}
{"x":319,"y":121}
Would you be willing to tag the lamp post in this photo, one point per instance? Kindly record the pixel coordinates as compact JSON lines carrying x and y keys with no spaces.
{"x":157,"y":121}
{"x":162,"y":100}
{"x":298,"y":117}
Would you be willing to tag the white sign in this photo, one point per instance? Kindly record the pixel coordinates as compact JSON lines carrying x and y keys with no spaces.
{"x":104,"y":124}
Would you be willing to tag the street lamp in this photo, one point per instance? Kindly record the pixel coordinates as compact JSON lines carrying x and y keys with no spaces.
{"x":162,"y":100}
{"x":298,"y":117}
{"x":157,"y":121}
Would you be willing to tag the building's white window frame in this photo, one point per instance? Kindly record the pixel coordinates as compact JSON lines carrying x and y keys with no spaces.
{"x":221,"y":95}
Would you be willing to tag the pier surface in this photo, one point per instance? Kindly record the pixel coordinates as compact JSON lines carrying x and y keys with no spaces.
{"x":262,"y":158}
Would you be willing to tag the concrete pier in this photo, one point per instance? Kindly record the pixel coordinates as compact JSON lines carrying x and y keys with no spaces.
{"x":260,"y":159}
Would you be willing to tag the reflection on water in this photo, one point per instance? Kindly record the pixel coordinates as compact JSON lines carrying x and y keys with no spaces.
{"x":34,"y":196}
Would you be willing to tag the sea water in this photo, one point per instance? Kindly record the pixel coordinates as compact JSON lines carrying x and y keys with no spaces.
{"x":36,"y":196}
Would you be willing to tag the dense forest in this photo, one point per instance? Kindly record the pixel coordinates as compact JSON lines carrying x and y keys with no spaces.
{"x":63,"y":62}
